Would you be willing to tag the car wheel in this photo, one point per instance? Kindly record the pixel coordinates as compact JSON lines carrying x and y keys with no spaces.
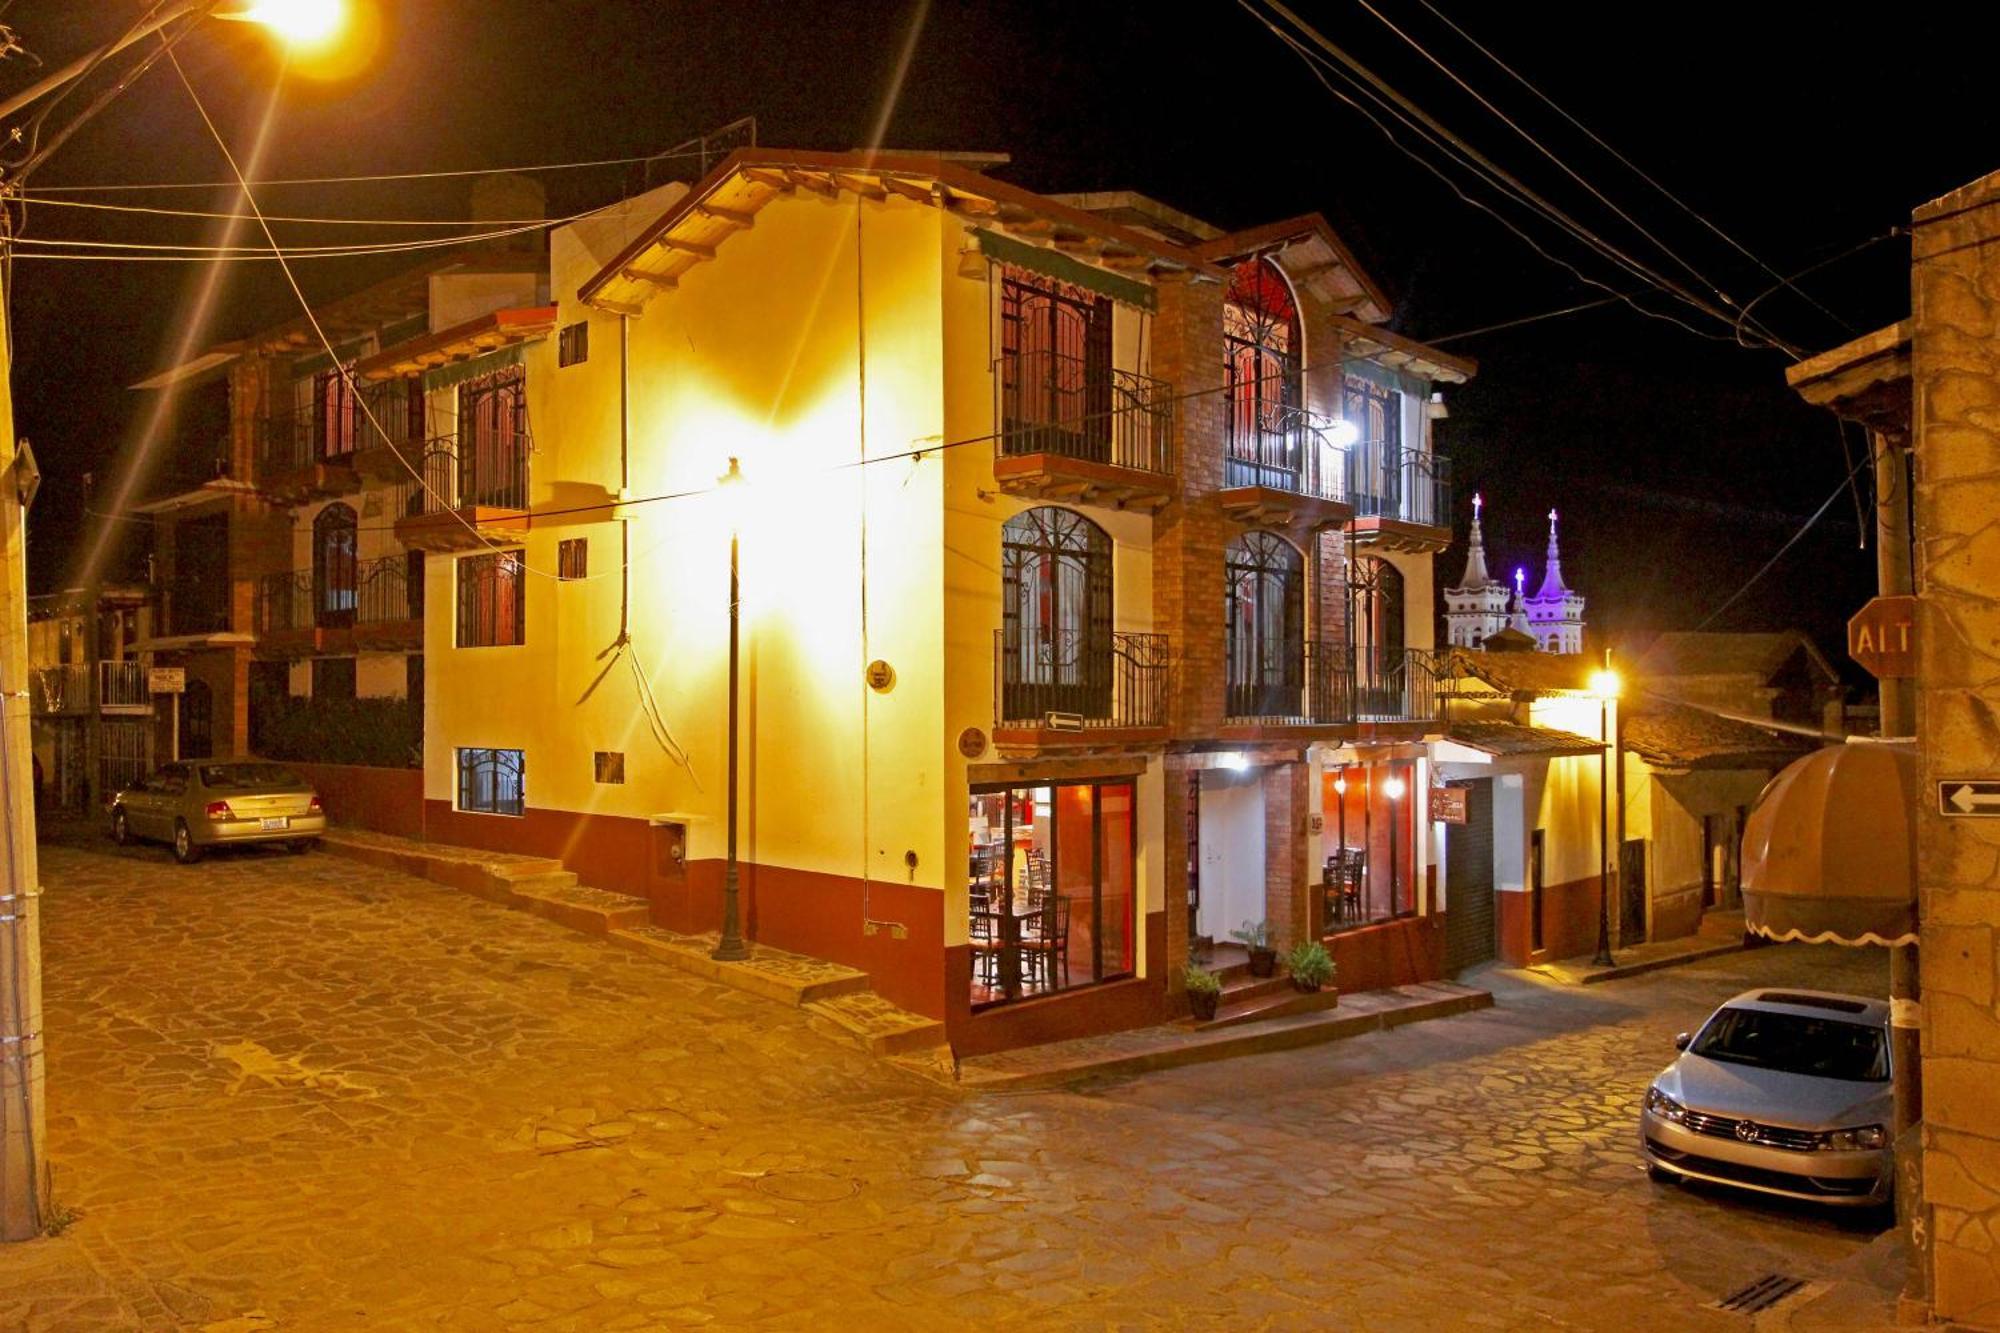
{"x":121,"y":832}
{"x":299,"y":846}
{"x":185,"y":850}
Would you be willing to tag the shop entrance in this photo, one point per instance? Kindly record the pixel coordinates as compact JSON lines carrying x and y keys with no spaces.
{"x":1230,"y":843}
{"x":1468,"y":899}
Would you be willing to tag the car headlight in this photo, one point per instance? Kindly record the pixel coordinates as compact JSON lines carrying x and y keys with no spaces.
{"x":1847,"y":1140}
{"x":1665,"y":1107}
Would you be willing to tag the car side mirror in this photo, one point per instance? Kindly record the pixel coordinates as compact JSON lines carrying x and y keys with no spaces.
{"x":1681,"y":1042}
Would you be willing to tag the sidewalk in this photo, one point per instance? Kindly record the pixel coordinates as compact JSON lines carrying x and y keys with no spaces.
{"x":1173,"y":1044}
{"x":1721,"y":933}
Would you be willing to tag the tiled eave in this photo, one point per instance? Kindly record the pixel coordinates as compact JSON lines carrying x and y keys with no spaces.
{"x":461,"y":342}
{"x":1393,"y":350}
{"x":728,"y":200}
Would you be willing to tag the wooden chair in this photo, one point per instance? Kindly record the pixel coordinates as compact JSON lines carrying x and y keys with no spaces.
{"x":1045,"y":945}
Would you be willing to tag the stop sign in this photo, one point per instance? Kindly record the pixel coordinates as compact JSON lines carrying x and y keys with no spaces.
{"x":1882,"y":637}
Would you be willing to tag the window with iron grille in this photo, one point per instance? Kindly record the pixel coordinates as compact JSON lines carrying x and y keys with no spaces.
{"x":492,"y":600}
{"x":573,"y":558}
{"x":610,"y":766}
{"x":1265,"y":624}
{"x":492,"y":782}
{"x":1055,"y":367}
{"x":573,"y":344}
{"x":1055,"y":614}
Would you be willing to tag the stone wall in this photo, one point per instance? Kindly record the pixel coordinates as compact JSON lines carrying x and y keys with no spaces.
{"x":1956,"y":367}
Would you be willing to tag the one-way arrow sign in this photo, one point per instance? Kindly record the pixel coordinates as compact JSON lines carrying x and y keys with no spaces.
{"x":1969,"y":796}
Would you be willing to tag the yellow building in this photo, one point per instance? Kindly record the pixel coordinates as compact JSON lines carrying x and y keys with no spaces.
{"x":1085,"y":566}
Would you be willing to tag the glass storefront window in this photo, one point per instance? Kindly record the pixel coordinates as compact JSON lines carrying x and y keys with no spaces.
{"x":1052,"y":891}
{"x":1370,"y":870}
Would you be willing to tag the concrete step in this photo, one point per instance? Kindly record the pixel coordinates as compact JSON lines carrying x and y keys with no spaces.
{"x":1272,"y":1004}
{"x":1718,"y":925}
{"x":876,"y":1025}
{"x":788,"y":978}
{"x":1241,"y":986}
{"x":578,"y":906}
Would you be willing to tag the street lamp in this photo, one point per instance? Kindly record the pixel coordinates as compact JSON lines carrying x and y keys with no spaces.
{"x":1605,"y":685}
{"x":731,"y":948}
{"x":23,"y":1178}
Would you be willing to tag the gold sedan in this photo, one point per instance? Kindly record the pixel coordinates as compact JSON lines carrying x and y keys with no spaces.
{"x":198,"y":804}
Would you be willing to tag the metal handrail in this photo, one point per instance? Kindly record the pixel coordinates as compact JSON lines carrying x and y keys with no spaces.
{"x":1286,"y":448}
{"x":1306,"y":683}
{"x":491,"y":474}
{"x":1411,"y":485}
{"x":1119,"y":681}
{"x":383,"y":594}
{"x":123,"y":685}
{"x":61,"y":689}
{"x":1058,"y":404}
{"x":1395,"y":685}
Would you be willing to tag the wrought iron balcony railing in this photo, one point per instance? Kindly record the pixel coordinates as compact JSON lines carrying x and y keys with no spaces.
{"x":488,"y":472}
{"x":1411,"y":485}
{"x":122,"y":685}
{"x":1285,"y":448}
{"x":383,"y":592}
{"x":1394,"y":685}
{"x":1119,"y":680}
{"x":61,"y":689}
{"x":1308,"y":683}
{"x":1055,"y":404}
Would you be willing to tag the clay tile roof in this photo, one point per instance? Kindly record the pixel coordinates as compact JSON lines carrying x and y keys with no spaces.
{"x":1506,"y":739}
{"x":1719,"y":654}
{"x":1679,"y":736}
{"x":1523,"y":673}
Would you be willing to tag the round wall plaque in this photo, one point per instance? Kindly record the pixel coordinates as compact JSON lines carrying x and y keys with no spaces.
{"x":881,"y":676}
{"x":972,"y":742}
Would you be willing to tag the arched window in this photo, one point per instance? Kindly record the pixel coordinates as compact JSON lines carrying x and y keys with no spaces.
{"x":1056,"y":615}
{"x":1055,"y":368}
{"x":1377,"y":588}
{"x":197,"y":705}
{"x":1266,"y":625}
{"x":334,"y":565}
{"x":1261,"y":361}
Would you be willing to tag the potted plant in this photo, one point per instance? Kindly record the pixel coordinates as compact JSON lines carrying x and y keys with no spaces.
{"x":1310,"y":964}
{"x":1256,"y":937}
{"x":1204,"y":990}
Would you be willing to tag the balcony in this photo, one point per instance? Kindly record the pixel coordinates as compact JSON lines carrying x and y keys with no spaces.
{"x":1308,"y":684}
{"x":383,"y":610}
{"x":58,"y":690}
{"x":391,"y":430}
{"x":1077,"y":433}
{"x":473,"y":493}
{"x":1061,"y":690}
{"x":1402,"y":500}
{"x":1394,"y":685}
{"x":1281,"y":466}
{"x":306,"y":455}
{"x":122,"y":687}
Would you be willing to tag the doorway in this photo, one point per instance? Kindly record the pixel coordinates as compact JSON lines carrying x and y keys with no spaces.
{"x":1632,"y":892}
{"x":1537,"y":898}
{"x":1231,"y":843}
{"x":1468,"y":882}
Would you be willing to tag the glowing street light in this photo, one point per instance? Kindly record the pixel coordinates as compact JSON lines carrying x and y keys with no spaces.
{"x":306,"y":24}
{"x":730,"y":948}
{"x":1343,"y":433}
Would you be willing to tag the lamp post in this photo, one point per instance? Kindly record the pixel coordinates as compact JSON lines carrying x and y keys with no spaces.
{"x":1605,"y":685}
{"x":731,"y":948}
{"x":23,"y":1166}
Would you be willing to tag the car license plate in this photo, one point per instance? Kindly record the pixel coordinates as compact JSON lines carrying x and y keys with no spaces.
{"x":280,"y":821}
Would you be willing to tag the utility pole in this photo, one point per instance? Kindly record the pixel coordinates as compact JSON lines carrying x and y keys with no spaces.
{"x":24,"y":1175}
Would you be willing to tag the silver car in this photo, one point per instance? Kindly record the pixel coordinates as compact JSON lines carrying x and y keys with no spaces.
{"x":205,"y":803}
{"x":1784,"y":1092}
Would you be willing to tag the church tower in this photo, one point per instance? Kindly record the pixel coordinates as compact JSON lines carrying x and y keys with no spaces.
{"x":1476,"y":609}
{"x":1555,"y":613}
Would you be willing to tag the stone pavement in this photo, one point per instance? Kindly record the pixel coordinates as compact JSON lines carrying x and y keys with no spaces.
{"x":299,"y":1093}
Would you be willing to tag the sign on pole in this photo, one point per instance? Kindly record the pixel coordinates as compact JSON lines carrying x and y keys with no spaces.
{"x":1977,"y":798}
{"x":1448,"y":805}
{"x":166,"y":680}
{"x":1882,"y":637}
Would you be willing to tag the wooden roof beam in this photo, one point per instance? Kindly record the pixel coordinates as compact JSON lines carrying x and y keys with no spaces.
{"x":695,"y":248}
{"x":776,"y":180}
{"x":907,"y":189}
{"x":654,"y":276}
{"x":860,"y":185}
{"x":807,"y":181}
{"x":625,"y":308}
{"x":738,"y":220}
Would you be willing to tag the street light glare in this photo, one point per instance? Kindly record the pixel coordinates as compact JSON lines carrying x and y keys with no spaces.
{"x":1605,"y":684}
{"x":300,"y":23}
{"x":1343,"y":433}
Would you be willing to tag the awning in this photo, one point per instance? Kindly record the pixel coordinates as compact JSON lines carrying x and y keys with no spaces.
{"x":1829,"y":854}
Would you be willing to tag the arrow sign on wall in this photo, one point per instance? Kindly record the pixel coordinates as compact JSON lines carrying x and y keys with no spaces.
{"x":1969,"y":796}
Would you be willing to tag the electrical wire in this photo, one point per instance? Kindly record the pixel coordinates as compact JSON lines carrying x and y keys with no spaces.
{"x":37,"y":197}
{"x":1625,"y":161}
{"x":1790,"y":542}
{"x":1527,"y":319}
{"x":1787,"y":280}
{"x":1417,"y":118}
{"x":1549,"y":153}
{"x":355,"y":248}
{"x":379,"y":176}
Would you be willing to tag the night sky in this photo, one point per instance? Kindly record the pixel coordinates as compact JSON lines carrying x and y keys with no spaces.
{"x":1680,"y":462}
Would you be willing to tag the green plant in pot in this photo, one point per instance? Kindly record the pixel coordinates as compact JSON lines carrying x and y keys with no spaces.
{"x":1204,"y":990}
{"x":1256,"y":937}
{"x":1310,"y":964}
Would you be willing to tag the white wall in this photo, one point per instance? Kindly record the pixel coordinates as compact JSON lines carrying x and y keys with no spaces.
{"x":1232,"y":850}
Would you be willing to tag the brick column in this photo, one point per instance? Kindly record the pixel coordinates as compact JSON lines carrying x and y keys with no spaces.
{"x":1174,"y":841}
{"x":1190,"y":532}
{"x":1955,"y":311}
{"x":1286,"y":804}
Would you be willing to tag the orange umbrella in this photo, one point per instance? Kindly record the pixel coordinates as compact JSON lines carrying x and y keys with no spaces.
{"x":1829,"y":854}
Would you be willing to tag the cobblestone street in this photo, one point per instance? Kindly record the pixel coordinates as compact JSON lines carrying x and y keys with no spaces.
{"x":302,"y":1093}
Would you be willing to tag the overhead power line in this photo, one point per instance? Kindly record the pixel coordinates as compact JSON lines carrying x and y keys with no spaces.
{"x":209,"y":215}
{"x":376,"y":177}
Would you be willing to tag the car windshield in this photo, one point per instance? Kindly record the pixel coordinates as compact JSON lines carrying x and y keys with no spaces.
{"x":243,"y":776}
{"x":1795,"y":1044}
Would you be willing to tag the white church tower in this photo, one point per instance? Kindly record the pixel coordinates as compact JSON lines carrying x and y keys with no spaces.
{"x":1555,"y":614}
{"x":1476,"y":609}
